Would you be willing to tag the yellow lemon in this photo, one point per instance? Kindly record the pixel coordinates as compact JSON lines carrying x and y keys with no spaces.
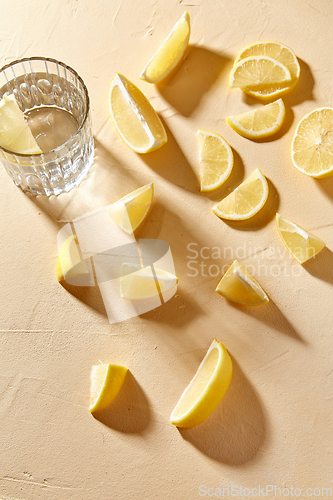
{"x":253,"y":72}
{"x":216,"y":160}
{"x":138,"y":282}
{"x":71,"y":264}
{"x":106,"y":381}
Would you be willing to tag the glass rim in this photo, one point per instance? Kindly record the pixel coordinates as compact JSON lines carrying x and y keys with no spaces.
{"x":52,"y":60}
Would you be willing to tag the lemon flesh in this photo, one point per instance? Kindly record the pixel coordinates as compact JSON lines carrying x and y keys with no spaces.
{"x":134,"y":117}
{"x":254,"y":72}
{"x":259,"y":123}
{"x":239,"y":286}
{"x":312,"y":145}
{"x":71,"y":264}
{"x":302,"y":244}
{"x":137,"y":283}
{"x":216,"y":160}
{"x":206,"y":389}
{"x":170,"y":53}
{"x":15,"y":134}
{"x":106,"y":381}
{"x":246,"y":200}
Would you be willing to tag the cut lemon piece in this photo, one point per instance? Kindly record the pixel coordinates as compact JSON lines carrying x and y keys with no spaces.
{"x":312,"y":145}
{"x":170,"y":53}
{"x":246,"y":200}
{"x":302,"y":244}
{"x":129,"y":211}
{"x":71,"y":264}
{"x":239,"y":286}
{"x":206,"y":389}
{"x":134,"y":117}
{"x":105,"y":383}
{"x":15,"y":134}
{"x":280,"y":53}
{"x":216,"y":160}
{"x":260,"y":122}
{"x":138,"y":282}
{"x":253,"y":72}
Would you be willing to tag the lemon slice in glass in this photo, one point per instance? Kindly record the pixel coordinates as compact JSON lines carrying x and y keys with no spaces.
{"x":70,"y":262}
{"x":216,"y":160}
{"x":253,"y":72}
{"x":106,"y":381}
{"x":138,"y":282}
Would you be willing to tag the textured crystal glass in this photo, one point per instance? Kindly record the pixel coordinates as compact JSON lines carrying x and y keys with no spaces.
{"x":38,"y":82}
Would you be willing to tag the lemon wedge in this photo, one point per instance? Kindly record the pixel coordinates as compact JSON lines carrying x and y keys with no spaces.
{"x":106,"y":381}
{"x":239,"y":286}
{"x":246,"y":200}
{"x":302,"y":244}
{"x":130,"y":211}
{"x":206,"y":389}
{"x":15,"y":134}
{"x":138,"y":282}
{"x":261,"y":122}
{"x":216,"y":160}
{"x":279,"y":52}
{"x":134,"y":117}
{"x":70,"y":263}
{"x":170,"y":53}
{"x":312,"y":145}
{"x":253,"y":72}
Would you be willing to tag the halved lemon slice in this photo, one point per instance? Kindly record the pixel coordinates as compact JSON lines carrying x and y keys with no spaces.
{"x":130,"y":211}
{"x":71,"y":266}
{"x":206,"y":389}
{"x":216,"y":160}
{"x":259,"y":123}
{"x":312,"y":145}
{"x":170,"y":53}
{"x":15,"y":133}
{"x":134,"y":117}
{"x":105,"y":383}
{"x":279,"y":52}
{"x":239,"y":286}
{"x":246,"y":200}
{"x":253,"y":72}
{"x":302,"y":244}
{"x":138,"y":282}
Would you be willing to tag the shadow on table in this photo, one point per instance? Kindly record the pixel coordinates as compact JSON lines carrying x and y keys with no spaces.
{"x":321,"y":266}
{"x":326,"y":186}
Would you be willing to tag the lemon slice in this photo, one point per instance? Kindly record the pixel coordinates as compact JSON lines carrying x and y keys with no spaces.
{"x":239,"y":286}
{"x":246,"y":200}
{"x":129,"y":211}
{"x":253,"y":72}
{"x":260,"y":122}
{"x":216,"y":160}
{"x":15,"y":134}
{"x":280,"y":53}
{"x":302,"y":244}
{"x":138,"y":282}
{"x":70,"y":262}
{"x":206,"y":389}
{"x":105,"y":383}
{"x":312,"y":145}
{"x":170,"y":53}
{"x":134,"y":117}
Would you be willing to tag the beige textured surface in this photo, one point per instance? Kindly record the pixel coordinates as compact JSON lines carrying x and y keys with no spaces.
{"x":274,"y":426}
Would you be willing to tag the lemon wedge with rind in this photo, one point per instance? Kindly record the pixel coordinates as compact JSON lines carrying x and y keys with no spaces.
{"x":239,"y":286}
{"x":106,"y":381}
{"x":15,"y":134}
{"x":246,"y":200}
{"x":139,"y":283}
{"x":71,"y":266}
{"x":216,"y":160}
{"x":312,"y":144}
{"x":134,"y":117}
{"x":170,"y":52}
{"x":261,"y":122}
{"x":302,"y":244}
{"x":253,"y":72}
{"x":206,"y":389}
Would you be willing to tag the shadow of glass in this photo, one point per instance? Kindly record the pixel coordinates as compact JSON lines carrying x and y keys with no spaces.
{"x":130,"y":411}
{"x":235,"y":431}
{"x":321,"y":266}
{"x":200,"y":68}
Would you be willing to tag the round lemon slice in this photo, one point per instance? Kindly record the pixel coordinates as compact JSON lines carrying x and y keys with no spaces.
{"x":302,"y":244}
{"x":106,"y":381}
{"x":239,"y":286}
{"x":170,"y":53}
{"x":15,"y":134}
{"x":131,"y":210}
{"x":134,"y":117}
{"x":246,"y":200}
{"x":206,"y":389}
{"x":253,"y":72}
{"x":137,"y":283}
{"x":71,"y":264}
{"x":312,"y":145}
{"x":216,"y":160}
{"x":261,"y":122}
